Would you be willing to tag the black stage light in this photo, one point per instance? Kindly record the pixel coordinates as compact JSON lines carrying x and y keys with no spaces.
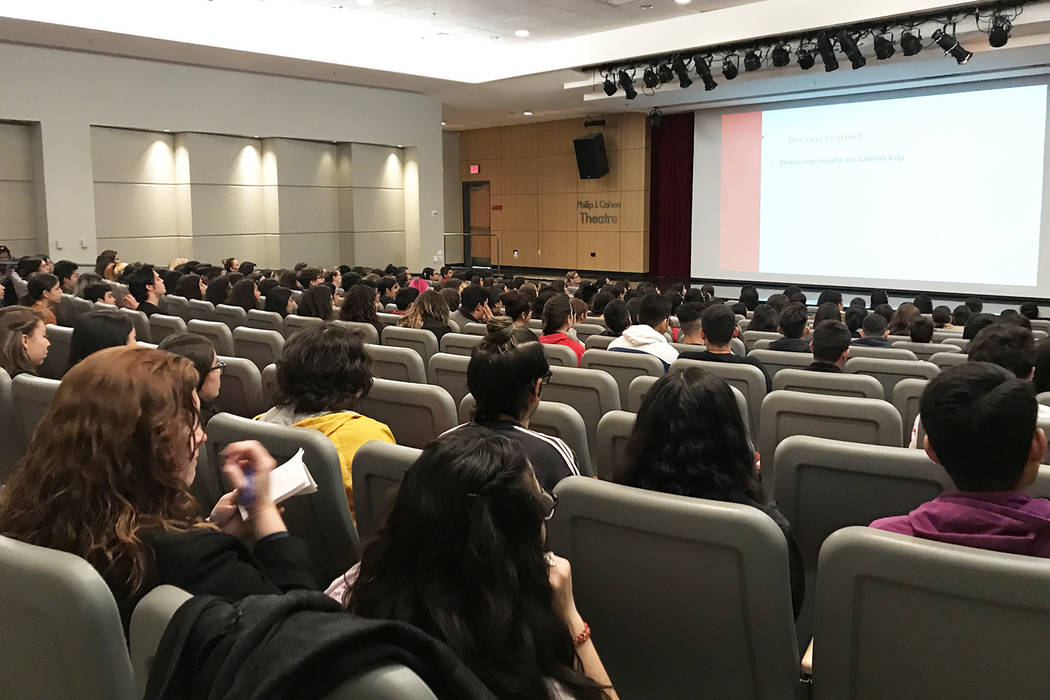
{"x":704,"y":71}
{"x":655,"y":118}
{"x":752,"y":61}
{"x":729,"y":69}
{"x":665,"y":73}
{"x":627,"y":83}
{"x":781,"y":56}
{"x":805,"y":59}
{"x":682,"y":72}
{"x":827,"y":52}
{"x":910,"y":44}
{"x":884,"y":47}
{"x":848,"y":45}
{"x":650,"y":79}
{"x":952,"y":47}
{"x":1000,"y":32}
{"x":609,"y":86}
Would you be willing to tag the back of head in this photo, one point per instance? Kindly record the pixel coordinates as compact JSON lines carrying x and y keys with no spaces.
{"x":139,"y":279}
{"x":654,"y":310}
{"x":793,"y":319}
{"x":17,"y":322}
{"x":884,"y":310}
{"x":95,"y":292}
{"x":195,"y":348}
{"x":975,"y":324}
{"x":961,"y":315}
{"x":980,"y":420}
{"x":749,"y":297}
{"x":64,"y":269}
{"x":923,"y":303}
{"x":98,"y":330}
{"x":878,"y":298}
{"x":556,"y":313}
{"x":1009,"y":346}
{"x":763,"y":318}
{"x":266,"y":286}
{"x":323,"y":369}
{"x":515,"y":304}
{"x":689,"y":315}
{"x":37,"y":284}
{"x":903,"y":317}
{"x":854,"y":319}
{"x":1029,"y":309}
{"x":778,"y":302}
{"x":922,"y":330}
{"x":277,"y":300}
{"x":828,"y":311}
{"x":586,"y":292}
{"x":307,"y":276}
{"x":830,"y":340}
{"x":428,"y":306}
{"x":858,"y":303}
{"x":472,"y":297}
{"x":632,"y":308}
{"x":360,"y":305}
{"x":451,"y":297}
{"x":975,"y":304}
{"x":942,"y":316}
{"x":86,"y":279}
{"x":503,"y":370}
{"x":718,"y":323}
{"x":617,"y":317}
{"x":689,"y":439}
{"x":316,"y":302}
{"x":874,"y":325}
{"x":829,"y":296}
{"x":243,"y":295}
{"x":404,"y":297}
{"x":189,"y":286}
{"x":218,"y":291}
{"x":579,"y":309}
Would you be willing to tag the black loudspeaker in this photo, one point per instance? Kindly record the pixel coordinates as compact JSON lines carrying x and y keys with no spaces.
{"x":590,"y":156}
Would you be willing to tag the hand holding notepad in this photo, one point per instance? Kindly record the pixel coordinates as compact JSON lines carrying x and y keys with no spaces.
{"x":289,"y":479}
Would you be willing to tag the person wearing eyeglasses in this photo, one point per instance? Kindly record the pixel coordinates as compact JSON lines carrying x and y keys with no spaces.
{"x":200,"y":351}
{"x":506,"y":375}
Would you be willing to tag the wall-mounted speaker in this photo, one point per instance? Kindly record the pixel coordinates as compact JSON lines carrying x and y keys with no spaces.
{"x":590,"y":156}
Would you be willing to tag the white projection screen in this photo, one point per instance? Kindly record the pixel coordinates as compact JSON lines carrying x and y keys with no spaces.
{"x":938,"y":189}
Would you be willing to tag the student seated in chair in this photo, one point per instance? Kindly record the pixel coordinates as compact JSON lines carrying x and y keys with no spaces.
{"x":147,"y":287}
{"x":980,"y":424}
{"x":922,"y":330}
{"x":830,"y":346}
{"x":648,"y":337}
{"x":794,"y":329}
{"x":557,"y":321}
{"x":617,"y":318}
{"x":689,"y":315}
{"x":717,"y":330}
{"x":873,"y":332}
{"x":473,"y":306}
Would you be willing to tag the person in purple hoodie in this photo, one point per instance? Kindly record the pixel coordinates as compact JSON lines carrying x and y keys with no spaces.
{"x":981,"y":427}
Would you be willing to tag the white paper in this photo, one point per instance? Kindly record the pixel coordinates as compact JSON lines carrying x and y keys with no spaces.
{"x":289,"y":479}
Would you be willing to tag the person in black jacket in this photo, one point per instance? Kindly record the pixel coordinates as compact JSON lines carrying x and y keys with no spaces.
{"x":690,"y":440}
{"x":109,"y":481}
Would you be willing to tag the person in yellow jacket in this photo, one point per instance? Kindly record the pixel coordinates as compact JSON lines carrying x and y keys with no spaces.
{"x":322,"y":375}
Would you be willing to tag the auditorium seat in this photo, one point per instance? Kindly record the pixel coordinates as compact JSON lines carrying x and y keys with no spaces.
{"x":957,"y":342}
{"x":536,"y":325}
{"x":823,"y":485}
{"x":923,"y":351}
{"x":623,"y":367}
{"x":550,"y":418}
{"x":1040,"y":488}
{"x":201,"y":310}
{"x":450,"y":372}
{"x":881,"y":353}
{"x":1043,"y":397}
{"x":71,"y":308}
{"x":900,"y":616}
{"x":586,"y":330}
{"x":390,"y":308}
{"x":217,"y":332}
{"x":459,"y":343}
{"x":240,"y":390}
{"x":747,"y":379}
{"x":901,"y":338}
{"x":641,"y":385}
{"x":31,"y":396}
{"x":415,"y":413}
{"x":889,"y":372}
{"x":163,"y":325}
{"x":54,"y":365}
{"x":475,"y":329}
{"x":399,"y":364}
{"x":233,"y":316}
{"x":149,"y":619}
{"x":269,"y":384}
{"x":949,"y":359}
{"x":749,"y":337}
{"x":787,"y":413}
{"x":377,"y":470}
{"x":906,"y":396}
{"x":423,"y":342}
{"x":762,"y":344}
{"x":389,"y":319}
{"x":322,"y":519}
{"x":687,"y":598}
{"x":62,"y":636}
{"x":1040,"y":324}
{"x":141,"y":323}
{"x":598,"y":342}
{"x":599,"y":321}
{"x":614,"y":432}
{"x":12,"y":438}
{"x":266,"y":320}
{"x":591,"y":392}
{"x":857,"y":385}
{"x":263,"y":348}
{"x":776,"y":360}
{"x":174,"y":305}
{"x":367,"y":331}
{"x":293,"y":323}
{"x":561,"y":355}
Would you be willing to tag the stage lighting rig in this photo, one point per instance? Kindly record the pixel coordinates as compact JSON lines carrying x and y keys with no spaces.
{"x":911,"y":44}
{"x":999,"y":34}
{"x":682,"y":72}
{"x":665,"y":73}
{"x":884,"y":47}
{"x":951,"y":46}
{"x":703,"y":69}
{"x":609,"y":86}
{"x":650,"y":79}
{"x":752,"y":61}
{"x":805,"y":58}
{"x":827,"y":52}
{"x":780,"y":56}
{"x":627,"y":83}
{"x":729,"y":67}
{"x":849,"y":47}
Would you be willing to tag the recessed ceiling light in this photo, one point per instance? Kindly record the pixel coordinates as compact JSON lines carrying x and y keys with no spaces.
{"x":526,"y":113}
{"x":521,"y":33}
{"x":400,"y":146}
{"x":443,"y":122}
{"x":683,"y":2}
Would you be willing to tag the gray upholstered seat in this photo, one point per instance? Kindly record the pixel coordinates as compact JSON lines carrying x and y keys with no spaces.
{"x":200,"y":310}
{"x":591,"y":392}
{"x":923,"y":351}
{"x":415,"y":413}
{"x":598,"y":342}
{"x":959,"y":342}
{"x":368,"y":332}
{"x":294,"y":322}
{"x":776,"y":360}
{"x":423,"y":342}
{"x":163,"y":325}
{"x":889,"y":372}
{"x":749,"y":337}
{"x":263,"y":348}
{"x":459,"y":343}
{"x":857,"y":385}
{"x":399,"y":364}
{"x":54,"y":365}
{"x":475,"y":329}
{"x":949,"y":359}
{"x":31,"y":396}
{"x":269,"y":384}
{"x":240,"y":389}
{"x":217,"y":332}
{"x":586,"y":330}
{"x":560,"y":355}
{"x":377,"y":471}
{"x":233,"y":316}
{"x":148,"y":622}
{"x":906,"y":396}
{"x":614,"y":432}
{"x":175,"y":305}
{"x":266,"y":320}
{"x":141,"y":323}
{"x":624,"y":367}
{"x":12,"y":438}
{"x":881,"y":353}
{"x":449,"y":371}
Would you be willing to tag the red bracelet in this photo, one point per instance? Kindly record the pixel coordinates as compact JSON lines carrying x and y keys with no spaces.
{"x":582,"y":637}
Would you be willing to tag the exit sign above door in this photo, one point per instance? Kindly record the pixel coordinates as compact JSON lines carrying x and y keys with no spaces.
{"x":475,"y":169}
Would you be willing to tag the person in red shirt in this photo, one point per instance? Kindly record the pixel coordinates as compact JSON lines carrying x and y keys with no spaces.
{"x":557,"y":320}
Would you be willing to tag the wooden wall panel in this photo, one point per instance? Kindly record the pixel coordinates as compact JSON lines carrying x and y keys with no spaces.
{"x":558,"y":173}
{"x":480,"y":144}
{"x":634,"y":251}
{"x":520,"y":212}
{"x":491,"y":172}
{"x":519,"y":175}
{"x":559,"y":249}
{"x":555,"y":138}
{"x":525,"y":242}
{"x":557,"y":212}
{"x":599,"y":251}
{"x":518,"y":141}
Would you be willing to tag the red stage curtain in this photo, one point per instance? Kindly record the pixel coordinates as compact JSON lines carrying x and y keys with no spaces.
{"x":671,"y":196}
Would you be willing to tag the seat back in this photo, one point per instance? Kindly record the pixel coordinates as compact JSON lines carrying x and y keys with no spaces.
{"x":586,"y":330}
{"x":70,"y":308}
{"x":141,"y":323}
{"x":54,"y":365}
{"x":946,"y":359}
{"x":368,"y":332}
{"x":422,"y":342}
{"x":415,"y":413}
{"x":269,"y":384}
{"x":474,"y":329}
{"x":787,"y":413}
{"x":597,"y":321}
{"x":857,"y":385}
{"x":624,"y":367}
{"x":389,"y":319}
{"x":613,"y":434}
{"x":959,"y":342}
{"x":903,"y":612}
{"x":889,"y":372}
{"x":747,"y":379}
{"x":939,"y":334}
{"x":232,"y":316}
{"x":148,"y":622}
{"x":906,"y":396}
{"x":377,"y":471}
{"x":923,"y":351}
{"x":321,"y":519}
{"x":12,"y":438}
{"x":450,"y":372}
{"x":263,"y":348}
{"x":598,"y":342}
{"x":201,"y":310}
{"x":294,"y":322}
{"x":266,"y":321}
{"x":1043,"y":397}
{"x":162,"y":325}
{"x":641,"y":385}
{"x":708,"y":566}
{"x":1040,"y":488}
{"x":459,"y":343}
{"x":749,"y":337}
{"x":62,"y":636}
{"x":31,"y":397}
{"x":776,"y":360}
{"x":560,"y":355}
{"x":386,"y":681}
{"x":881,"y":353}
{"x":399,"y":364}
{"x":218,"y":333}
{"x":175,"y":305}
{"x":591,"y":392}
{"x":240,"y":389}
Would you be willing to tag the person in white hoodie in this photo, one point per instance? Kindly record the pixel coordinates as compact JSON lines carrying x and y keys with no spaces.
{"x":654,"y":314}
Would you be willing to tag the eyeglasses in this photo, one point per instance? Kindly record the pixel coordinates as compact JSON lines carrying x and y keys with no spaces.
{"x":550,"y":502}
{"x":218,"y":366}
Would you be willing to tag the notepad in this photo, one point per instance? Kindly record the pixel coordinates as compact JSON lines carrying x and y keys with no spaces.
{"x":289,"y":479}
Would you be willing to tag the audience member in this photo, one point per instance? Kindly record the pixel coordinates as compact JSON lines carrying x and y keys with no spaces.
{"x":430,"y":312}
{"x":98,"y":330}
{"x":579,"y":312}
{"x":922,"y":330}
{"x":100,"y":293}
{"x":689,"y":315}
{"x":388,"y":289}
{"x":246,"y":268}
{"x":617,"y":318}
{"x":829,"y":296}
{"x":903,"y":317}
{"x":854,"y":319}
{"x":923,"y":303}
{"x":828,"y":311}
{"x":147,"y":287}
{"x":191,"y":286}
{"x":975,"y":304}
{"x":316,"y":302}
{"x":360,"y":306}
{"x":601,"y":299}
{"x":85,"y":280}
{"x":980,"y":424}
{"x":473,"y":307}
{"x":451,"y":298}
{"x":830,"y":347}
{"x":778,"y":302}
{"x":104,"y":259}
{"x":764,"y":318}
{"x":279,"y":300}
{"x":289,"y":280}
{"x":749,"y":296}
{"x":200,"y":351}
{"x":404,"y":299}
{"x":884,"y":310}
{"x":43,"y":295}
{"x":322,"y":375}
{"x":942,"y":317}
{"x":573,"y":279}
{"x":690,"y":440}
{"x":218,"y":291}
{"x":67,"y":273}
{"x":648,"y":336}
{"x":717,"y":330}
{"x":1009,"y":346}
{"x":976,"y":323}
{"x":1029,"y":309}
{"x":309,"y":277}
{"x":632,"y":308}
{"x":1041,"y":374}
{"x":517,"y":307}
{"x":793,"y":318}
{"x":245,"y":295}
{"x":125,"y":505}
{"x":230,"y":264}
{"x":878,"y":298}
{"x":873,"y":332}
{"x":961,"y":315}
{"x":557,"y":320}
{"x":23,"y":339}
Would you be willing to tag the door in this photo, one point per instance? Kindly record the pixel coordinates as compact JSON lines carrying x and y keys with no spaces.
{"x":477,"y":215}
